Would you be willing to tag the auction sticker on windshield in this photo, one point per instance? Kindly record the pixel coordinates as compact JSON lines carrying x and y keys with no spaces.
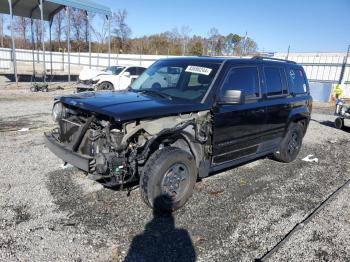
{"x":198,"y":70}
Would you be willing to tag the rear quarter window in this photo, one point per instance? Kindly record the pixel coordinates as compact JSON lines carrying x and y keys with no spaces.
{"x":275,"y":81}
{"x":296,"y":81}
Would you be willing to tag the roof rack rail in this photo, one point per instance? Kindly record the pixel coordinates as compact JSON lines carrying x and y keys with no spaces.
{"x":273,"y":59}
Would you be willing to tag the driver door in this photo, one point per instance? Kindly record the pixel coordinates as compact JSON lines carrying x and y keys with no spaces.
{"x":126,"y":77}
{"x":237,"y":127}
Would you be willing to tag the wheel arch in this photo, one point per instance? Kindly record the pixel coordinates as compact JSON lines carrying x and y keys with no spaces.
{"x":300,"y":115}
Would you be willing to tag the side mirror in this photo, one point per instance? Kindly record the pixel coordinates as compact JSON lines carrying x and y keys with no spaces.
{"x":232,"y":97}
{"x":127,"y":74}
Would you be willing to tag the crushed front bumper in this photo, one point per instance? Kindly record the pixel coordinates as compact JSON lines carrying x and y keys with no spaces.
{"x":80,"y":161}
{"x":85,"y":88}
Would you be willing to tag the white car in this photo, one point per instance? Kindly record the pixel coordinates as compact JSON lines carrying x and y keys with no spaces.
{"x":112,"y":78}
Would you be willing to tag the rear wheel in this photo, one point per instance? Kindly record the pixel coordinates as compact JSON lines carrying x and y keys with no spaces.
{"x":291,"y":144}
{"x":339,"y":123}
{"x":168,"y":179}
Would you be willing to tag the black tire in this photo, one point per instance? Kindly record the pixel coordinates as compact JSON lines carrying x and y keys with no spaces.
{"x":33,"y":89}
{"x":156,"y":86}
{"x":45,"y":89}
{"x":339,"y":123}
{"x":159,"y":170}
{"x":290,"y":145}
{"x":105,"y":86}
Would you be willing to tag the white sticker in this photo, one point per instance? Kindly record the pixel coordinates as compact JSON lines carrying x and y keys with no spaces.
{"x":199,"y":70}
{"x":292,"y":74}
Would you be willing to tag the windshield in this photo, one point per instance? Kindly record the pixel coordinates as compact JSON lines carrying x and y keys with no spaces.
{"x":177,"y":79}
{"x":115,"y":70}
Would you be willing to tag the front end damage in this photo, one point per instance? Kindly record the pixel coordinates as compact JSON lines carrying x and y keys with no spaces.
{"x":115,"y":152}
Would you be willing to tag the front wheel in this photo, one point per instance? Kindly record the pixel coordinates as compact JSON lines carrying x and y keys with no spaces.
{"x":291,"y":144}
{"x":105,"y":86}
{"x":168,"y":179}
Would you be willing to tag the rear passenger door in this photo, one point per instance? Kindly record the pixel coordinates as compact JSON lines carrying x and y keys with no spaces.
{"x":278,"y":104}
{"x":237,"y":128}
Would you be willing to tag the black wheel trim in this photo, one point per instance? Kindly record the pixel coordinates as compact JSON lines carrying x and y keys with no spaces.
{"x":294,"y":143}
{"x":106,"y":86}
{"x":175,"y":182}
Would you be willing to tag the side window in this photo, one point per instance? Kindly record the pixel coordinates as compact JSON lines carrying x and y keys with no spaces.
{"x":296,"y":81}
{"x":243,"y":78}
{"x":140,"y":70}
{"x":275,"y":81}
{"x":132,"y":71}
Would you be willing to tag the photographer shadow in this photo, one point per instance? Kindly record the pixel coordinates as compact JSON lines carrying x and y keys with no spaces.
{"x":161,"y":241}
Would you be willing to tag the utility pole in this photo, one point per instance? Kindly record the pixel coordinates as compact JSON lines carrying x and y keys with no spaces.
{"x":243,"y":52}
{"x":2,"y":30}
{"x":288,"y":52}
{"x":342,"y":72}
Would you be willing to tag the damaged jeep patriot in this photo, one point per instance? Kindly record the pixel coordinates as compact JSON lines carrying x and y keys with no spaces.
{"x":181,"y":120}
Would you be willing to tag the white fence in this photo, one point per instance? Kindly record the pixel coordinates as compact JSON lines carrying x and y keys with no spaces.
{"x":77,"y":60}
{"x":325,"y":68}
{"x":318,"y":66}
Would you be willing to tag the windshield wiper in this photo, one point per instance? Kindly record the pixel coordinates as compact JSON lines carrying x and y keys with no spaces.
{"x":154,"y":92}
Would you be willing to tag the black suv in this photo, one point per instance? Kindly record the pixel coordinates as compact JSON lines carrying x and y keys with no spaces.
{"x":181,"y":120}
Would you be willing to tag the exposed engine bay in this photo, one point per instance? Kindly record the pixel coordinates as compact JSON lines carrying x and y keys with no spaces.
{"x":117,"y":151}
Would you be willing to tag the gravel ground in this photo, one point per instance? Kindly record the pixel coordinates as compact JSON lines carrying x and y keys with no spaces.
{"x":51,"y":213}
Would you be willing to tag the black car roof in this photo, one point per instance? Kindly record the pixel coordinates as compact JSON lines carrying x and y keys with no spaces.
{"x":255,"y":60}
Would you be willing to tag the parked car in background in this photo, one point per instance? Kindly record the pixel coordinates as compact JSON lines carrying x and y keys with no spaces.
{"x":112,"y":78}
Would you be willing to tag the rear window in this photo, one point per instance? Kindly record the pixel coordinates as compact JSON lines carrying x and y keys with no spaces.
{"x":274,"y":81}
{"x":297,"y":81}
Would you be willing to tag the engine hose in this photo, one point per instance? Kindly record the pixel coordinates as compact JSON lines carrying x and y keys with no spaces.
{"x":82,"y":134}
{"x":109,"y":140}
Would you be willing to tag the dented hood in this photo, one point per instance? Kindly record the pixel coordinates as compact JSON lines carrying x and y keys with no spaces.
{"x":126,"y":105}
{"x":88,"y":74}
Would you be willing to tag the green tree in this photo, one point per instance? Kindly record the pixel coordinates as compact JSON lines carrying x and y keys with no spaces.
{"x":196,"y":46}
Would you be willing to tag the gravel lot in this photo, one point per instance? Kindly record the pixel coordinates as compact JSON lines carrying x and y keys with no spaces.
{"x":53,"y":214}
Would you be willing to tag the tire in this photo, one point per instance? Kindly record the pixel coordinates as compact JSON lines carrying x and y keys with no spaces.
{"x":105,"y":86}
{"x":156,"y":86}
{"x":339,"y":123}
{"x":33,"y":89}
{"x":158,"y":182}
{"x":45,"y":89}
{"x":290,"y":145}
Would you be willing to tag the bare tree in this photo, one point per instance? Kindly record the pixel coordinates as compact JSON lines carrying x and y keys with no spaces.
{"x":101,"y":34}
{"x":59,"y":27}
{"x":122,"y":31}
{"x":213,"y":39}
{"x":77,"y":23}
{"x":38,"y":33}
{"x":21,"y":26}
{"x":185,"y":35}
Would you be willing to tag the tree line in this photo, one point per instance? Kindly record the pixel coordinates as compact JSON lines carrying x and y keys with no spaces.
{"x":178,"y":41}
